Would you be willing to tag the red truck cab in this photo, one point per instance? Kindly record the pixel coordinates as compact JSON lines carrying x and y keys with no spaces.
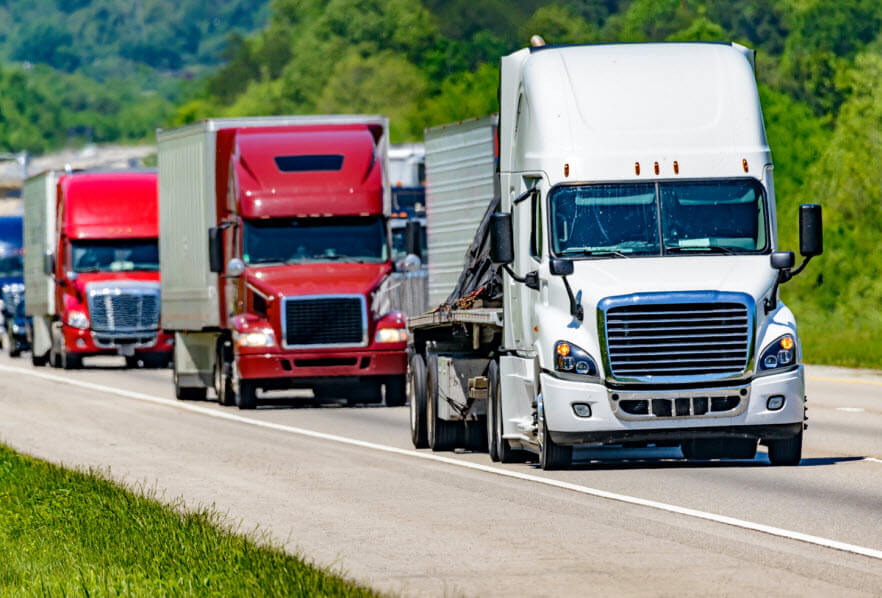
{"x":106,"y":270}
{"x":301,"y":248}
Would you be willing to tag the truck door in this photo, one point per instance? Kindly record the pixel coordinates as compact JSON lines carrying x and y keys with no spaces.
{"x":528,"y":253}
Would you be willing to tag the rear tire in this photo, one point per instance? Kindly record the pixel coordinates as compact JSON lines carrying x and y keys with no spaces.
{"x":552,"y":455}
{"x":416,"y":390}
{"x":442,"y":435}
{"x":396,"y":391}
{"x":787,"y":451}
{"x":39,"y":360}
{"x":246,"y":398}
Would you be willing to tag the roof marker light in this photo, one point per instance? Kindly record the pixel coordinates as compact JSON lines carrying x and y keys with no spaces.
{"x":656,"y":168}
{"x":744,"y":164}
{"x":676,"y":167}
{"x":566,"y":170}
{"x":637,"y":168}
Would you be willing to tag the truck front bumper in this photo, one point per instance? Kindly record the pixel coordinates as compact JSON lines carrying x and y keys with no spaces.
{"x":88,"y":342}
{"x":609,"y":422}
{"x":306,"y":365}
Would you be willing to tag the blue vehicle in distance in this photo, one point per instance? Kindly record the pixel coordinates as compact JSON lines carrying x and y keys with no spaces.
{"x":12,"y":284}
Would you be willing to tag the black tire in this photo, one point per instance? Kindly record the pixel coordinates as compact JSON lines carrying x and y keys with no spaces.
{"x":396,"y":391}
{"x":442,"y":435}
{"x":552,"y":455}
{"x":476,"y":434}
{"x":223,"y":379}
{"x":246,"y":398}
{"x":39,"y":360}
{"x":500,"y":447}
{"x":12,"y":346}
{"x":132,"y":362}
{"x":71,"y":361}
{"x":54,"y":354}
{"x":787,"y":451}
{"x":416,"y":390}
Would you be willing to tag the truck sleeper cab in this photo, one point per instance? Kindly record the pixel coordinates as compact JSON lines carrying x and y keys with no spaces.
{"x":637,"y":238}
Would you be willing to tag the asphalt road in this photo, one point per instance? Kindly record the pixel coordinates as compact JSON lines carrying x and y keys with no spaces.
{"x":343,"y":487}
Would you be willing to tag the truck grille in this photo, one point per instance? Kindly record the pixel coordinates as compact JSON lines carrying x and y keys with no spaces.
{"x":325,"y":321}
{"x":679,"y":339}
{"x":124,"y":308}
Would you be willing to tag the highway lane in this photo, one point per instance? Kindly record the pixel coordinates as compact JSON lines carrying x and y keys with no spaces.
{"x":404,"y":524}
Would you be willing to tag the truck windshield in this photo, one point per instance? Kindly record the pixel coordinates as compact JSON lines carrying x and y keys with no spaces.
{"x":114,"y":255}
{"x":624,"y":219}
{"x":300,"y":240}
{"x":11,"y":266}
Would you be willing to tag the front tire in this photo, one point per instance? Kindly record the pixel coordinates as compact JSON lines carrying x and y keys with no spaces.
{"x":246,"y":398}
{"x":223,"y":379}
{"x":787,"y":451}
{"x":442,"y":435}
{"x":416,"y":390}
{"x":499,"y":448}
{"x":552,"y":456}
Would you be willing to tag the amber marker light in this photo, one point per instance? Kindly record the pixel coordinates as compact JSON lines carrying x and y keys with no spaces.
{"x":786,"y":343}
{"x":656,"y":168}
{"x":676,"y":167}
{"x":744,"y":164}
{"x":563,"y":349}
{"x":637,"y":168}
{"x":566,"y":170}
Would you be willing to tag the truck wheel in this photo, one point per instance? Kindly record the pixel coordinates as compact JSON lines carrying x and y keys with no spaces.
{"x":39,"y":360}
{"x":69,"y":361}
{"x":246,"y":398}
{"x":498,"y":447}
{"x":442,"y":435}
{"x":396,"y":391}
{"x":223,"y":380}
{"x":416,"y":390}
{"x":552,"y":455}
{"x":787,"y":451}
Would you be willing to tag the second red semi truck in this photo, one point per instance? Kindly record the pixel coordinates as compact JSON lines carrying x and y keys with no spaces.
{"x":275,"y":258}
{"x":92,"y":268}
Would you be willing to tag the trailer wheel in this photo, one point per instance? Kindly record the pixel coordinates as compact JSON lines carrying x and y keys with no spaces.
{"x":246,"y":398}
{"x":396,"y":391}
{"x":416,"y":391}
{"x":551,"y":454}
{"x":787,"y":451}
{"x":39,"y":360}
{"x":442,"y":435}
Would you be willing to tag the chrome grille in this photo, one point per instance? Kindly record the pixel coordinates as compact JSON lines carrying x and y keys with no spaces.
{"x":126,"y":308}
{"x":678,"y":339}
{"x":331,"y":320}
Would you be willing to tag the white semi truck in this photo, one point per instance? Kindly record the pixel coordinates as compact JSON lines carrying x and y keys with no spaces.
{"x":622,"y":287}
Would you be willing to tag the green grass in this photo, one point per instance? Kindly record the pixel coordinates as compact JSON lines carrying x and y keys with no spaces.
{"x":64,"y":532}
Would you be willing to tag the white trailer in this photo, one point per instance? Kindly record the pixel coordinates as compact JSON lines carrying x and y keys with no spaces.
{"x":637,"y":246}
{"x":40,"y":196}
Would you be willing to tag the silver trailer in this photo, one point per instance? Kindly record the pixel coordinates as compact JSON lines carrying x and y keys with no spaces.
{"x":40,"y":197}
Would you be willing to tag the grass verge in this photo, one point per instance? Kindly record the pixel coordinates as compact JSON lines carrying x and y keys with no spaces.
{"x":64,"y":532}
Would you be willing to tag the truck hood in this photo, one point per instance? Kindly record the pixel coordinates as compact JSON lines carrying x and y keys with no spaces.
{"x":325,"y":278}
{"x":109,"y":278}
{"x":598,"y":279}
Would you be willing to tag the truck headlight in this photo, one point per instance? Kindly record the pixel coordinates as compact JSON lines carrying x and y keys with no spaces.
{"x":780,"y":354}
{"x":391,"y":335}
{"x":77,"y":319}
{"x":570,"y":359}
{"x":256,"y":338}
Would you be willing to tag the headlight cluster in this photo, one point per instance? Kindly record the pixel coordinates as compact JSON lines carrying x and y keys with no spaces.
{"x":780,"y":354}
{"x":77,"y":319}
{"x":391,"y":335}
{"x":255,"y":338}
{"x":571,"y":359}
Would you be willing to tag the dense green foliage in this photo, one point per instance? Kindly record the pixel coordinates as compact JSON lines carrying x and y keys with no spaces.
{"x":66,"y":533}
{"x":428,"y":62}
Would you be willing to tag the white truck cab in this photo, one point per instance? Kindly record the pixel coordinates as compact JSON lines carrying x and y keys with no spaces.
{"x":637,"y":235}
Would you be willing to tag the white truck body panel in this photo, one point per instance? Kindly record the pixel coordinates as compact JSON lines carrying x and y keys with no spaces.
{"x":461,"y":182}
{"x":405,"y":161}
{"x":188,"y":209}
{"x":40,"y":197}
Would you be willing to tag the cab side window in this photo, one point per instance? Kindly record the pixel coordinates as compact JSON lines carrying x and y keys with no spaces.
{"x":536,"y":226}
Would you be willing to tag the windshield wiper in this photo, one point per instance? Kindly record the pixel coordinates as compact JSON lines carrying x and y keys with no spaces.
{"x":708,"y":248}
{"x":602,"y":253}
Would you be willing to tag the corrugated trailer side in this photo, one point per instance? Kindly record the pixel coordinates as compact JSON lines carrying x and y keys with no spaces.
{"x":460,"y":183}
{"x":39,"y":198}
{"x":187,"y":210}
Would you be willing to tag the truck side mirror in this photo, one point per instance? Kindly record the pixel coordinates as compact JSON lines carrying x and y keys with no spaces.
{"x":501,"y":241}
{"x":413,"y":238}
{"x":811,"y":230}
{"x":561,"y":267}
{"x":216,"y":249}
{"x":235,"y":268}
{"x":49,"y":263}
{"x":782,"y":260}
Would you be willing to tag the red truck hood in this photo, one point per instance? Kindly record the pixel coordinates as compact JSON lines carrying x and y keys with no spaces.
{"x":317,"y":279}
{"x":111,"y":277}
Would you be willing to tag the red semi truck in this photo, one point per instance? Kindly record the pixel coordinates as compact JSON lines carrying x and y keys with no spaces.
{"x":275,"y":259}
{"x":92,"y":267}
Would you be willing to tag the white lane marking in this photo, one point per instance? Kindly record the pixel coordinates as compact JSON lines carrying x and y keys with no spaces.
{"x":426,"y":456}
{"x":873,"y":459}
{"x":850,"y":409}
